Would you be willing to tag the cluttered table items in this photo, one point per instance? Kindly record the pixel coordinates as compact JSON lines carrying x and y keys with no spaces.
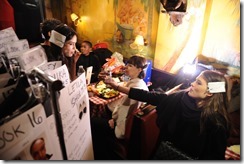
{"x":99,"y":96}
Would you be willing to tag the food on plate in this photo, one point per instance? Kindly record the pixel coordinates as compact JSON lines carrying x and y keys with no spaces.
{"x":100,"y":85}
{"x":89,"y":88}
{"x":104,"y":91}
{"x":108,"y":93}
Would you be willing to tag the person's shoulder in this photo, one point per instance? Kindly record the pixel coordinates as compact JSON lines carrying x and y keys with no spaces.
{"x":94,"y":55}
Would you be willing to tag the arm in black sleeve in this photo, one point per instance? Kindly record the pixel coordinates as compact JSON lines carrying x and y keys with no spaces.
{"x":151,"y":97}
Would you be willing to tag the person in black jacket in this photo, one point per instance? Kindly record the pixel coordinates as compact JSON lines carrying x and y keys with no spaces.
{"x":46,"y":27}
{"x":194,"y":120}
{"x":87,"y":59}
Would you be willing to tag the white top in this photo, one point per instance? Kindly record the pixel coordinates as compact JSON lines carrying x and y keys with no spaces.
{"x":121,"y":107}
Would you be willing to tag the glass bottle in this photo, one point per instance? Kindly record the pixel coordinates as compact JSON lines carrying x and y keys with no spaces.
{"x":80,"y":70}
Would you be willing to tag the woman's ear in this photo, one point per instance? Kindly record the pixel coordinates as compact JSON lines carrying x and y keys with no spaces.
{"x":209,"y":94}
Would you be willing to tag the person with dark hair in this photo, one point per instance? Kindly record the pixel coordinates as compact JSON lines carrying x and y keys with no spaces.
{"x":87,"y":58}
{"x":176,"y":10}
{"x":46,"y":27}
{"x":38,"y":150}
{"x":106,"y":129}
{"x":194,"y":120}
{"x":63,"y":47}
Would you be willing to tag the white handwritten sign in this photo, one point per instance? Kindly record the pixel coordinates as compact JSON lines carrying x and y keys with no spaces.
{"x":15,"y":48}
{"x":61,"y":73}
{"x":7,"y":35}
{"x":33,"y":57}
{"x":47,"y":67}
{"x":17,"y":135}
{"x":75,"y":115}
{"x":89,"y":74}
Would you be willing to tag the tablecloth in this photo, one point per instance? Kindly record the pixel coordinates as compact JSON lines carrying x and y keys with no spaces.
{"x":98,"y":105}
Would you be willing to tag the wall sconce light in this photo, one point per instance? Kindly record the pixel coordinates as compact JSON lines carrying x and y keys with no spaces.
{"x":75,"y":18}
{"x":138,"y":43}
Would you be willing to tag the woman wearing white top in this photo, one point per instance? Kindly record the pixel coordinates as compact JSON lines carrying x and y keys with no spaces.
{"x":104,"y":129}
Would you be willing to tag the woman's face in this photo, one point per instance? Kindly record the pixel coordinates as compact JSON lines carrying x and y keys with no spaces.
{"x":85,"y":49}
{"x":199,"y":88}
{"x":69,"y":47}
{"x":132,"y":71}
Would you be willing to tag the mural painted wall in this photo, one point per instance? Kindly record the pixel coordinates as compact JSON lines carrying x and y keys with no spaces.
{"x":117,"y":22}
{"x":222,"y":40}
{"x":210,"y":28}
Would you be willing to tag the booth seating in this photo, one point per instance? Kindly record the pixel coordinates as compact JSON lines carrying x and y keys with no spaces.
{"x":140,"y":136}
{"x":144,"y":134}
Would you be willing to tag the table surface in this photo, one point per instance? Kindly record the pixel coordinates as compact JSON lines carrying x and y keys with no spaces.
{"x":102,"y":101}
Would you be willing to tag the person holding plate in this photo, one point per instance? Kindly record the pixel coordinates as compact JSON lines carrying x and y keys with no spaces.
{"x":105,"y":129}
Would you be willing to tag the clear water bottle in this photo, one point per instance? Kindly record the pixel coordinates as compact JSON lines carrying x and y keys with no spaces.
{"x":80,"y":70}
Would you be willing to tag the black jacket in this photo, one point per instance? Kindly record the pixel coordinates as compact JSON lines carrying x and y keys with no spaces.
{"x":179,"y":122}
{"x":87,"y":61}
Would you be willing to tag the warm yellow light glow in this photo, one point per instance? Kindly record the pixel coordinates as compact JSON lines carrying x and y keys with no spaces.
{"x":138,"y":44}
{"x":139,"y":40}
{"x":75,"y":18}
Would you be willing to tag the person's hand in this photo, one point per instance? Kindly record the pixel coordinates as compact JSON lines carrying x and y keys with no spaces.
{"x":110,"y":81}
{"x":102,"y":75}
{"x":77,"y":55}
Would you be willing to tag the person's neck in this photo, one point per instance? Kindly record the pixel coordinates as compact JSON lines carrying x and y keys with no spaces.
{"x":131,"y":78}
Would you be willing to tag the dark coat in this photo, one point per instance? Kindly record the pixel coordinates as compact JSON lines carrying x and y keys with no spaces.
{"x":87,"y":61}
{"x":179,"y":123}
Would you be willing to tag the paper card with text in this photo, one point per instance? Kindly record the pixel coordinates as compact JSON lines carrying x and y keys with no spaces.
{"x":7,"y":35}
{"x":47,"y":67}
{"x":61,"y":73}
{"x":75,"y":115}
{"x":89,"y":74}
{"x":33,"y":57}
{"x":18,"y":136}
{"x":15,"y":48}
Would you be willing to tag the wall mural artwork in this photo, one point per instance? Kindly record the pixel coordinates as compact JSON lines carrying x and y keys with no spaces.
{"x":132,"y":18}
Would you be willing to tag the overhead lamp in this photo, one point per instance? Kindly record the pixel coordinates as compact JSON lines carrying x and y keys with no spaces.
{"x":75,"y":18}
{"x":138,"y":43}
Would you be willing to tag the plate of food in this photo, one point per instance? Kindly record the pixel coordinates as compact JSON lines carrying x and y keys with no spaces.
{"x":104,"y":91}
{"x":108,"y":93}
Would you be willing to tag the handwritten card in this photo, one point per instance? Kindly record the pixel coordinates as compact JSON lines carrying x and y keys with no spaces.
{"x":89,"y":74}
{"x":18,"y":134}
{"x":75,"y":115}
{"x":33,"y":57}
{"x":15,"y":48}
{"x":61,"y":73}
{"x":47,"y":67}
{"x":7,"y":35}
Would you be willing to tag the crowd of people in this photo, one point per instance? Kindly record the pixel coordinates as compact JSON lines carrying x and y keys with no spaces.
{"x":195,"y":120}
